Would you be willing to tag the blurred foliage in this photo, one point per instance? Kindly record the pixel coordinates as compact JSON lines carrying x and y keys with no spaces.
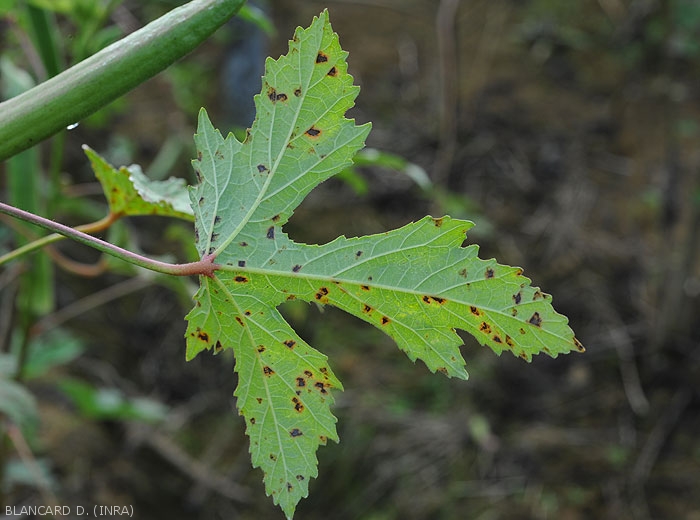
{"x":111,"y":403}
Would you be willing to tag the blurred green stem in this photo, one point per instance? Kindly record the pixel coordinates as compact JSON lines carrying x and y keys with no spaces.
{"x":91,"y":228}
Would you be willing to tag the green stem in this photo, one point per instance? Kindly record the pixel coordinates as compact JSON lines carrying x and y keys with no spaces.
{"x":91,"y":228}
{"x":93,"y":83}
{"x":204,"y":267}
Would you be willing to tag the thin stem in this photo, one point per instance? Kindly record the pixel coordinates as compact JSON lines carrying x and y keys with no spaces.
{"x":77,"y":268}
{"x":205,"y":266}
{"x":93,"y":227}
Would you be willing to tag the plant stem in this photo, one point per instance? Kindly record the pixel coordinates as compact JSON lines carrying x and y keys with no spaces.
{"x":205,"y":266}
{"x":93,"y":83}
{"x":90,"y":228}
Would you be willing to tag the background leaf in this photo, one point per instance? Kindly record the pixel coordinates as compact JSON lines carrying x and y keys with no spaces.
{"x":130,"y":192}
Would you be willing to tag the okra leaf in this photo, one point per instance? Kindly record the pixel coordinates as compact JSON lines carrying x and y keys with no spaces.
{"x":417,"y":283}
{"x":129,"y":192}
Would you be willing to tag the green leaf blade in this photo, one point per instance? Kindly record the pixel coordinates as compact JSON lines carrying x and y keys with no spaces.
{"x":284,"y":386}
{"x":130,"y":193}
{"x":299,"y":138}
{"x":417,"y":283}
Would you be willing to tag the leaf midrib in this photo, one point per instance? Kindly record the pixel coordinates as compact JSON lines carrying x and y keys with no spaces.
{"x":273,"y":168}
{"x":333,"y":279}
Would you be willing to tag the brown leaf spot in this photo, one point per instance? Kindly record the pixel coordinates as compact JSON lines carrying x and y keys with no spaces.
{"x":296,"y":268}
{"x":202,"y":335}
{"x":462,"y":273}
{"x":198,"y":174}
{"x":270,"y":232}
{"x":289,"y":343}
{"x":259,"y":400}
{"x":240,"y":279}
{"x":474,"y":310}
{"x":321,"y":57}
{"x":333,"y":72}
{"x":385,"y":320}
{"x":241,"y":263}
{"x":297,"y":92}
{"x":243,"y":244}
{"x":252,"y":420}
{"x":308,"y":373}
{"x":364,"y":287}
{"x":358,"y":254}
{"x":489,"y":273}
{"x":313,"y":132}
{"x":268,"y":371}
{"x":296,"y":432}
{"x":523,"y":355}
{"x":519,"y":272}
{"x":321,"y":387}
{"x":300,"y":477}
{"x":522,"y":331}
{"x":437,"y":222}
{"x":281,"y":97}
{"x":517,"y":298}
{"x":240,"y":321}
{"x":218,"y":347}
{"x":324,"y":371}
{"x":485,"y":327}
{"x":261,"y":348}
{"x":535,"y":320}
{"x":537,"y":296}
{"x":199,"y":155}
{"x":514,"y":311}
{"x":275,"y":218}
{"x":291,"y":297}
{"x":442,"y":370}
{"x":301,"y":382}
{"x":201,"y":201}
{"x":497,"y":338}
{"x":273,"y":456}
{"x":262,"y":168}
{"x":247,"y":313}
{"x":322,"y":439}
{"x":298,"y":406}
{"x":289,"y":487}
{"x":436,"y":299}
{"x":366,"y":308}
{"x":509,"y":341}
{"x":579,"y":346}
